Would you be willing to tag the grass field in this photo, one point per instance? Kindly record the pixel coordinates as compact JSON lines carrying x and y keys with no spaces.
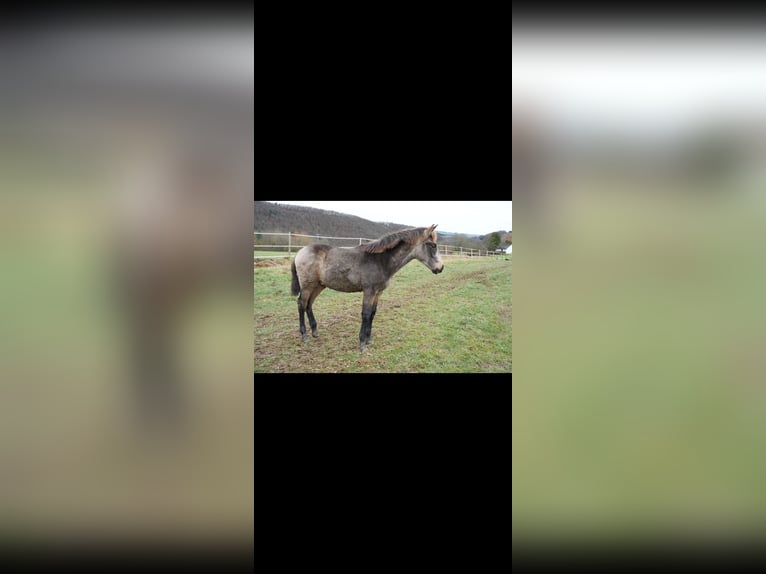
{"x":261,"y":253}
{"x":80,"y":469}
{"x":641,"y":406}
{"x":458,"y":321}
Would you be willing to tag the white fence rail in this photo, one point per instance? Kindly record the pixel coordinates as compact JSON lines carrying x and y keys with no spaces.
{"x":297,"y":240}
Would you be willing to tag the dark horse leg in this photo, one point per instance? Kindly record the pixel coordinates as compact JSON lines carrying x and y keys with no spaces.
{"x":151,"y":320}
{"x":369,"y":307}
{"x":372,"y":317}
{"x":310,"y":310}
{"x":306,"y":306}
{"x":302,"y":319}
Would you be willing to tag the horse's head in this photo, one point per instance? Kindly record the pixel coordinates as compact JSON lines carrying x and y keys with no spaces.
{"x":427,"y":252}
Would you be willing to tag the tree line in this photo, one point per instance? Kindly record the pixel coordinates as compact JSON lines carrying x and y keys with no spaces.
{"x":281,"y":218}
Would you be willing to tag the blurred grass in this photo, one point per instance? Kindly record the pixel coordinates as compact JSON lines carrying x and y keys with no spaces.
{"x":70,"y":461}
{"x":650,"y":417}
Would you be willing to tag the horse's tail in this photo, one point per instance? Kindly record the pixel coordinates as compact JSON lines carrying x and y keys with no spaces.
{"x":296,"y":286}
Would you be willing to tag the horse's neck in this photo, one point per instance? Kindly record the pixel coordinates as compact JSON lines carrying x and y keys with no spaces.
{"x":400,"y":256}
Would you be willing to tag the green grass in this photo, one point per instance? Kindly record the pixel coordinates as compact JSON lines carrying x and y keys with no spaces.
{"x":261,"y":253}
{"x":458,"y":321}
{"x":640,"y":406}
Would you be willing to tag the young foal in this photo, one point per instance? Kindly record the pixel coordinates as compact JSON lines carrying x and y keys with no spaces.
{"x":367,"y":268}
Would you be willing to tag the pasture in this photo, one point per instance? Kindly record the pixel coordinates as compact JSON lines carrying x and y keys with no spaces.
{"x":457,"y":322}
{"x":275,"y":254}
{"x":641,"y":409}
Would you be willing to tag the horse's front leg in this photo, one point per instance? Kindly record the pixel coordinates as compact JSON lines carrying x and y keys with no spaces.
{"x":369,"y":307}
{"x":367,"y":313}
{"x":372,"y":317}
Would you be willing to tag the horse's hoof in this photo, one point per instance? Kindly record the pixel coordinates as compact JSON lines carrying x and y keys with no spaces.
{"x":362,"y":348}
{"x":306,"y":338}
{"x":314,"y":334}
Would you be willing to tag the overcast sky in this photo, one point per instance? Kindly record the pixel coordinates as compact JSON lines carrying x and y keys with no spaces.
{"x":646,"y":81}
{"x":469,"y":217}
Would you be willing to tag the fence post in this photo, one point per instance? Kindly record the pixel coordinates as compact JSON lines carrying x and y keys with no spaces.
{"x":360,"y":241}
{"x":289,"y":243}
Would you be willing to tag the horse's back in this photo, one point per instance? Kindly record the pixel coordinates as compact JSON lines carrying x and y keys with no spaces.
{"x":328,"y":266}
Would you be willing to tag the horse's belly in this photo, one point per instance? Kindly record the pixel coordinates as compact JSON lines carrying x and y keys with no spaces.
{"x":342,"y":283}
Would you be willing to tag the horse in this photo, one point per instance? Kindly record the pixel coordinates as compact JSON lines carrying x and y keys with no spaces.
{"x":367,"y":268}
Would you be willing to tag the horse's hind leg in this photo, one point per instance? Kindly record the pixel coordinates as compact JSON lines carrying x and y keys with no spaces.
{"x":305,"y":306}
{"x":310,"y":309}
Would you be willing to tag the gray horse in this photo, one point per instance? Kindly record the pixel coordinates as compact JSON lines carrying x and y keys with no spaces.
{"x":367,"y":268}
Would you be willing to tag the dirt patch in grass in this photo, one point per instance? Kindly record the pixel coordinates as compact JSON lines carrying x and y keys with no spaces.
{"x":276,"y":262}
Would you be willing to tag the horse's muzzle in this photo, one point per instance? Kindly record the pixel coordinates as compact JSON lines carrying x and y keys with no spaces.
{"x":439,"y":270}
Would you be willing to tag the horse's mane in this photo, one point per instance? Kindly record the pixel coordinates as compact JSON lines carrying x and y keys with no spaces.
{"x":388,"y":242}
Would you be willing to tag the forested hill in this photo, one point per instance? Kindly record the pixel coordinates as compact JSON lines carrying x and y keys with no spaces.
{"x":281,"y":218}
{"x":277,"y":217}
